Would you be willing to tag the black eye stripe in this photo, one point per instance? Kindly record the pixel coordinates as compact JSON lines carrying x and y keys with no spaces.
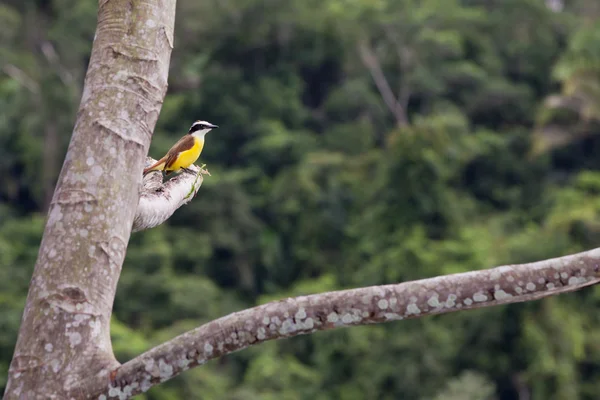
{"x":197,"y":127}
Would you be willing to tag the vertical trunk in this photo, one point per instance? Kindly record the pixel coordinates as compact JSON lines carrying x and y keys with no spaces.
{"x":64,"y":335}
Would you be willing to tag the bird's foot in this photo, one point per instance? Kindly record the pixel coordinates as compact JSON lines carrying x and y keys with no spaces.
{"x":189,"y":171}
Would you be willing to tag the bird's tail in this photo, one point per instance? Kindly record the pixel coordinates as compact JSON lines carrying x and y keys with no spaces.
{"x":157,"y":166}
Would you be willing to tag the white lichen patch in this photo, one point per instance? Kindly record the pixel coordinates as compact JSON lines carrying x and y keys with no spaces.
{"x":412,"y":308}
{"x":261,"y":333}
{"x":97,"y":171}
{"x":495,"y":275}
{"x":290,"y":325}
{"x":550,"y":286}
{"x":266,"y":320}
{"x":510,"y":278}
{"x":55,"y":365}
{"x":116,"y":392}
{"x":451,"y":301}
{"x":286,"y":327}
{"x":333,"y":317}
{"x":55,"y":215}
{"x":479,"y":297}
{"x":518,"y":289}
{"x":48,"y":347}
{"x":309,"y":323}
{"x":502,"y":295}
{"x":530,"y":286}
{"x":96,"y":328}
{"x":128,"y":389}
{"x":165,"y":370}
{"x":348,"y":318}
{"x":467,"y":302}
{"x":382,"y":304}
{"x":208,"y":349}
{"x":74,"y":338}
{"x":377,"y":291}
{"x":149,"y":365}
{"x":393,"y":316}
{"x":577,"y":280}
{"x":79,"y":318}
{"x":434,"y":301}
{"x":146,"y":384}
{"x":300,"y":314}
{"x":70,"y":381}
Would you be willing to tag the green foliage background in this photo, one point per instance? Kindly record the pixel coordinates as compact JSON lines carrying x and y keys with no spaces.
{"x":315,"y":186}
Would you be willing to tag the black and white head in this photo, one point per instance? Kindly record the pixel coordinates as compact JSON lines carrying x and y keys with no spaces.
{"x":201,"y":128}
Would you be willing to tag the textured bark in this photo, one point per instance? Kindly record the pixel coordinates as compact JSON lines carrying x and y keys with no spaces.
{"x":159,"y":200}
{"x":64,"y":336}
{"x":377,"y":304}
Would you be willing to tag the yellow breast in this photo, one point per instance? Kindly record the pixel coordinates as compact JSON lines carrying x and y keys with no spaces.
{"x":188,"y":157}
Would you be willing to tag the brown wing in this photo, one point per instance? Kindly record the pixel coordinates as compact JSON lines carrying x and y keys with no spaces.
{"x":185,"y":143}
{"x":156,"y":164}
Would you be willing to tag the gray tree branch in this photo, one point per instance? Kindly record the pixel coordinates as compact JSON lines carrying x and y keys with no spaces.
{"x":370,"y":305}
{"x":159,"y":200}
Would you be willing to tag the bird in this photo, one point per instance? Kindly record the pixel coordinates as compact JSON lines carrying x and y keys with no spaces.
{"x":185,"y":152}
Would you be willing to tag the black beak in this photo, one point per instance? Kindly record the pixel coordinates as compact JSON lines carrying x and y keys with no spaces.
{"x":214,"y":126}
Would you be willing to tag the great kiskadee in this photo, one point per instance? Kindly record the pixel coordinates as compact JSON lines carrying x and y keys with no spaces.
{"x":185,"y":152}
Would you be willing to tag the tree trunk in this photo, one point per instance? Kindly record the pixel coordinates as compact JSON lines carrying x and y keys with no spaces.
{"x":65,"y":334}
